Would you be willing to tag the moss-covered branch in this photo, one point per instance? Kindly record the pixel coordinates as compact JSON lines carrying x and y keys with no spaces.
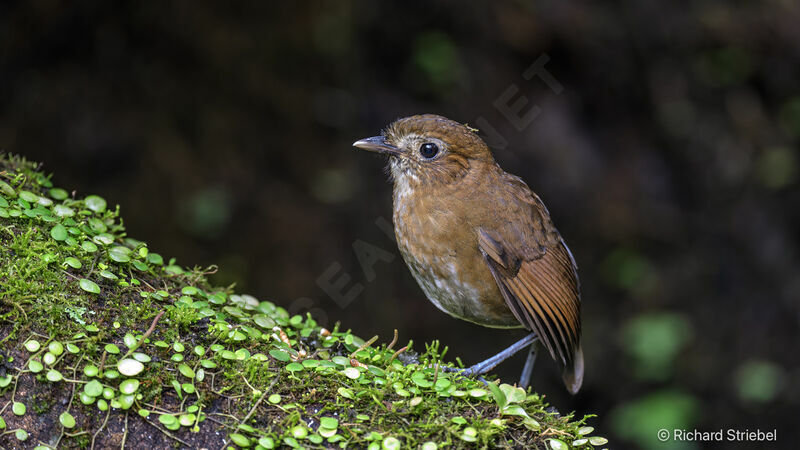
{"x":104,"y":343}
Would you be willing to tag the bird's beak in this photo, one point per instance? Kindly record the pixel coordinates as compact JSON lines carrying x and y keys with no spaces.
{"x":377,"y":144}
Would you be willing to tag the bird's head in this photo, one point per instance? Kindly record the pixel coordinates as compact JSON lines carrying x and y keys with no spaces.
{"x":429,"y":149}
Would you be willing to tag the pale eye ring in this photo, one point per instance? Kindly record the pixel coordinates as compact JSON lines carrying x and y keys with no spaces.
{"x":428,"y":150}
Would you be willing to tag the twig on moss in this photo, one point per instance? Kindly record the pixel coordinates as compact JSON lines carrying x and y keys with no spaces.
{"x":71,"y":398}
{"x":394,"y":341}
{"x":70,"y":275}
{"x":258,"y":402}
{"x":102,"y":364}
{"x":391,"y":360}
{"x":364,"y":345}
{"x":94,"y":262}
{"x":145,"y":335}
{"x":125,"y":432}
{"x":167,"y":433}
{"x":103,"y":425}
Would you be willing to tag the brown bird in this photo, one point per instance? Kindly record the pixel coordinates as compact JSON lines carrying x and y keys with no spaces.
{"x":480,"y":243}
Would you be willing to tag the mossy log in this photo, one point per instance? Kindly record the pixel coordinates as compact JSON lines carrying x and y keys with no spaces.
{"x":104,"y":343}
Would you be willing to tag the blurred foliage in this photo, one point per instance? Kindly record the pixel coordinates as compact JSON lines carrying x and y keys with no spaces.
{"x":759,"y":381}
{"x":207,"y":212}
{"x":436,"y":55}
{"x":727,"y":66}
{"x":628,"y":270}
{"x":641,"y":419}
{"x":333,"y":186}
{"x":653,"y":342}
{"x":777,"y":167}
{"x":789,"y":117}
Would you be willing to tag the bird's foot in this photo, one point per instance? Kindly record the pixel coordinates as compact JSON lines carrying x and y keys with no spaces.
{"x":468,"y":372}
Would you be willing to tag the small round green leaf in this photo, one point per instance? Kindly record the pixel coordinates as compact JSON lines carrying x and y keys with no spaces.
{"x":346,"y":393}
{"x":167,"y":419}
{"x":49,"y":359}
{"x":59,"y":232}
{"x":95,"y":203}
{"x":280,"y":355}
{"x":155,"y":258}
{"x":54,"y":375}
{"x":33,"y":346}
{"x":56,"y":348}
{"x":67,"y":420}
{"x":73,"y":262}
{"x":477,"y":392}
{"x":129,"y":340}
{"x":125,"y":401}
{"x":264,"y":321}
{"x":352,"y":373}
{"x":28,"y":196}
{"x":18,"y":408}
{"x":108,"y":275}
{"x":130,"y":367}
{"x":297,"y":367}
{"x":299,"y":432}
{"x":112,"y":348}
{"x":91,"y":370}
{"x":58,"y":193}
{"x":240,"y":440}
{"x":129,"y":386}
{"x":186,"y":371}
{"x":35,"y":366}
{"x":391,"y":443}
{"x":89,"y":286}
{"x":120,"y":254}
{"x":189,"y":290}
{"x":141,"y":357}
{"x":93,"y":388}
{"x":63,"y":211}
{"x":187,"y":419}
{"x":328,"y":422}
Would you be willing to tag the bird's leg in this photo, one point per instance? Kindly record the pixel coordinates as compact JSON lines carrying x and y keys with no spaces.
{"x":490,"y":363}
{"x":527,"y":369}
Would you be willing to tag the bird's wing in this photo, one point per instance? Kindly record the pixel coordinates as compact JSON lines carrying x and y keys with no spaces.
{"x":538,"y":279}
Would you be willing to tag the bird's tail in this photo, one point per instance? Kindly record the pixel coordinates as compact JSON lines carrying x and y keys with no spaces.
{"x":573,"y":374}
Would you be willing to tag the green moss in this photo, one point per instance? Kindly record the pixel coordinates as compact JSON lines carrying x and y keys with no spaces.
{"x":211,"y":365}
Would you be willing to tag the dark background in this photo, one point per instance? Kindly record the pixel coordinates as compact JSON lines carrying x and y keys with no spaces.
{"x":669,"y":163}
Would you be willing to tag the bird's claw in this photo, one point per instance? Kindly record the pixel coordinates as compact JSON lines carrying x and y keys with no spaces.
{"x":468,"y":372}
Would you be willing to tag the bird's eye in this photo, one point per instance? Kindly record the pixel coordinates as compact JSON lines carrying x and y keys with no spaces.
{"x":428,"y":150}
